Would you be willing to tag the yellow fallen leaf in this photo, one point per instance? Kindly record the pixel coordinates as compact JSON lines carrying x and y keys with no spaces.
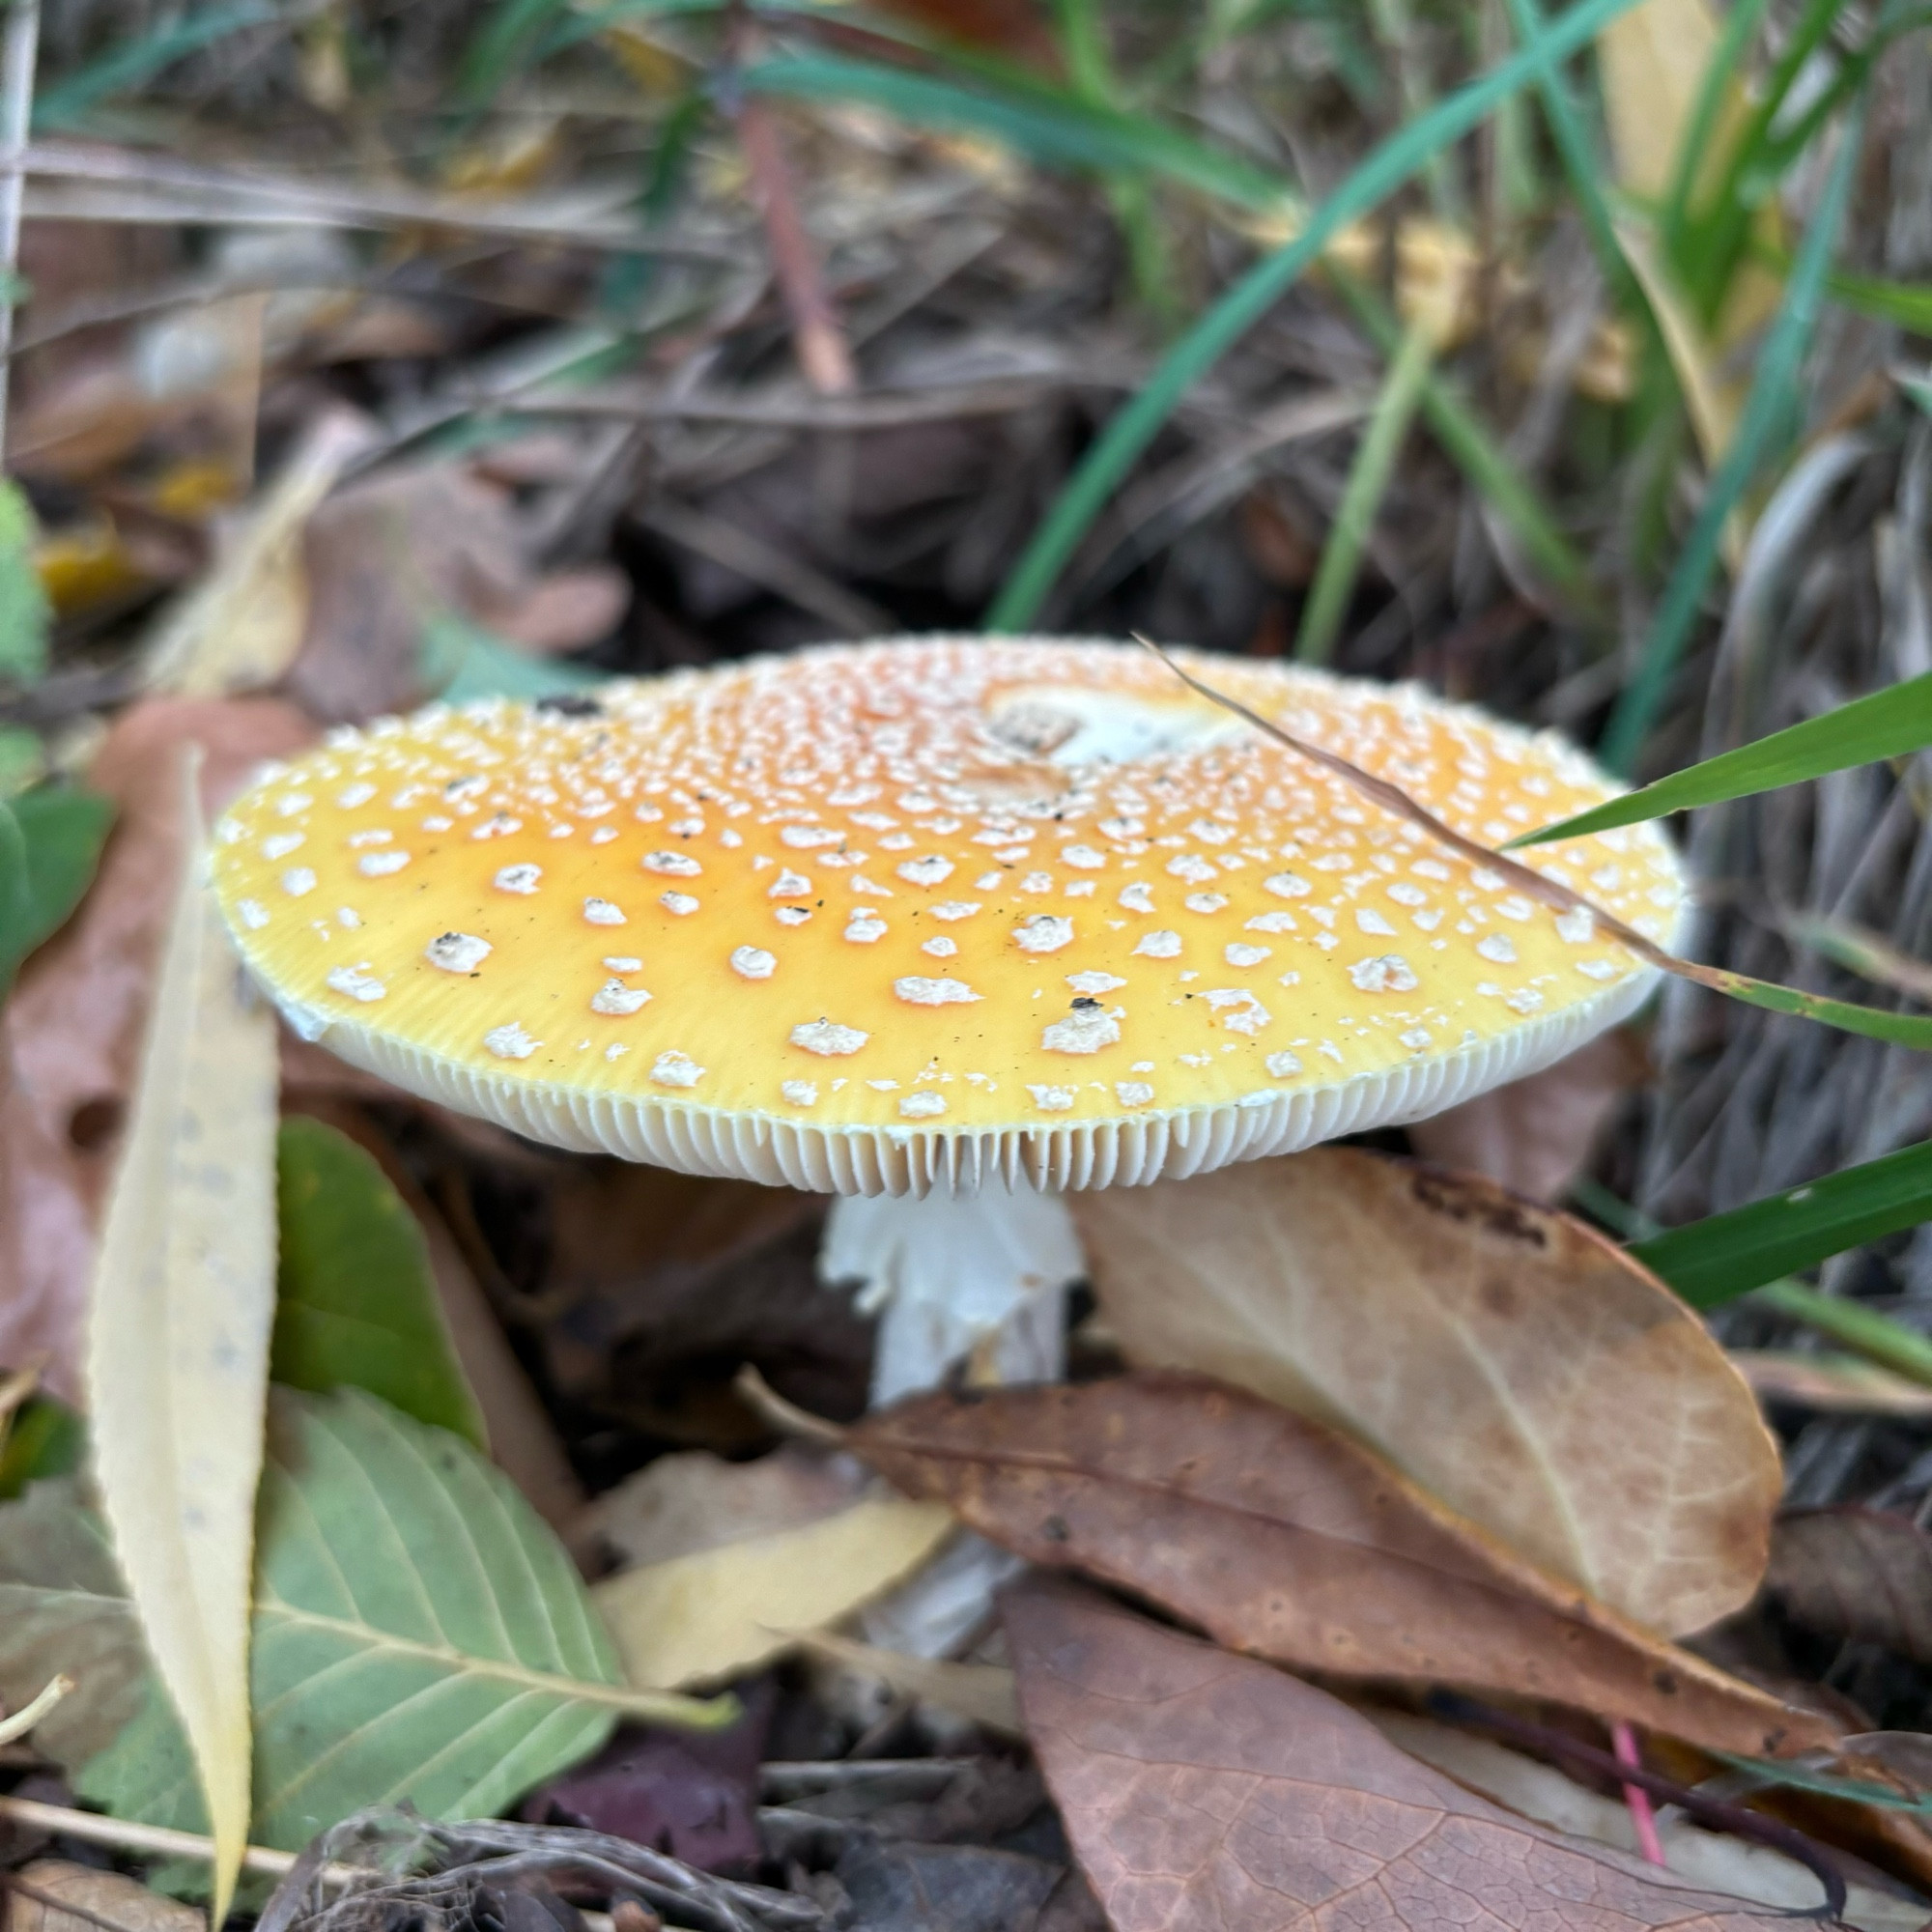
{"x":699,"y":1618}
{"x":177,"y":1338}
{"x":86,"y":564}
{"x":1505,"y":1357}
{"x":1652,"y":59}
{"x":984,"y":1693}
{"x":1713,"y":403}
{"x":240,"y":628}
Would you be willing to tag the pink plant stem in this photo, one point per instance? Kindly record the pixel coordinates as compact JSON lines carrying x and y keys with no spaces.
{"x":1644,"y":1820}
{"x":816,"y":338}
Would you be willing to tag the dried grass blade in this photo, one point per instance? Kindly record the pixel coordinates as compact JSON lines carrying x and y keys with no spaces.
{"x":178,"y":1339}
{"x":1870,"y":1022}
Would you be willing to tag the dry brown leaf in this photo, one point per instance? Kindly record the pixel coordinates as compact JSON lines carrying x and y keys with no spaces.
{"x":1202,"y":1789}
{"x":664,"y":1282}
{"x":1855,"y":1576}
{"x":1710,"y":1861}
{"x":52,"y":1895}
{"x":71,"y":1030}
{"x":1280,"y":1537}
{"x":1537,"y":1134}
{"x":388,"y":555}
{"x":1505,"y":1356}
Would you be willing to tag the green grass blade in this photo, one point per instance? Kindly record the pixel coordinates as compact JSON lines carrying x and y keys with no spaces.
{"x":1889,"y":724}
{"x":1476,"y":453}
{"x":1698,"y":131}
{"x":1877,"y":1337}
{"x":1867,"y":1022}
{"x":1044,"y":123}
{"x":1362,"y":496}
{"x":508,"y":38}
{"x":1772,"y":390}
{"x":133,"y":66}
{"x":1577,"y":153}
{"x":1715,"y":1260}
{"x":1134,"y":426}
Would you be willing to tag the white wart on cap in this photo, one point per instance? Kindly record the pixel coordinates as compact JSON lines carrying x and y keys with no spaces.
{"x":889,"y":916}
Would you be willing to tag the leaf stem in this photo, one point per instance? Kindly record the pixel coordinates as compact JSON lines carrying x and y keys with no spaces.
{"x":1361,"y":498}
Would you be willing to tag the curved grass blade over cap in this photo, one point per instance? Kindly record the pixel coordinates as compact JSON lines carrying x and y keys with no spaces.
{"x":1552,"y":889}
{"x":896,"y":917}
{"x":1396,"y":161}
{"x":1889,"y":724}
{"x":1714,"y":1261}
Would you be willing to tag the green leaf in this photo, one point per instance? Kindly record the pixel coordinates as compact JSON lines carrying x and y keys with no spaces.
{"x":44,"y":1440}
{"x":63,"y":1606}
{"x":1136,"y":424}
{"x":356,"y":1303}
{"x":419,"y":1636}
{"x":463,"y":663}
{"x":1714,"y":1261}
{"x":131,"y":64}
{"x":1773,"y":386}
{"x":1382,"y":442}
{"x":1045,"y":123}
{"x":24,"y":611}
{"x":1888,"y":723}
{"x":50,"y":841}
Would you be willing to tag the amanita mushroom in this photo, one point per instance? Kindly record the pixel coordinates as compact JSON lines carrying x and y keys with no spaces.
{"x":986,"y":919}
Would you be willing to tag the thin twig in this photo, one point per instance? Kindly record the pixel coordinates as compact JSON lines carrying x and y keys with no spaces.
{"x":777,"y":1413}
{"x":159,"y":1840}
{"x":18,"y":54}
{"x":29,"y":1715}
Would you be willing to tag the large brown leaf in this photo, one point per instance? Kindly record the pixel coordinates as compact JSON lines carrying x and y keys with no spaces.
{"x":1504,"y":1355}
{"x":1202,"y":1790}
{"x":71,"y":1033}
{"x":1281,"y":1537}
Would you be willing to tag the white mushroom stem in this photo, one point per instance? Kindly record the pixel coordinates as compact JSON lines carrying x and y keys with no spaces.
{"x":979,"y":1279}
{"x":974,"y":1279}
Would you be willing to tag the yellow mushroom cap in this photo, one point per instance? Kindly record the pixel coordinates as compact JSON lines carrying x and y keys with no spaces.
{"x":887,"y":917}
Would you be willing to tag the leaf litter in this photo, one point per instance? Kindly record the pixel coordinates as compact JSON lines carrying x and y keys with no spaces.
{"x":1186,"y":1775}
{"x":1548,"y":1387}
{"x":685,"y":502}
{"x":1283,"y":1538}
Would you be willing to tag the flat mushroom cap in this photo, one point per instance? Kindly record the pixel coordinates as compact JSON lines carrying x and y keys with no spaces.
{"x":888,"y":916}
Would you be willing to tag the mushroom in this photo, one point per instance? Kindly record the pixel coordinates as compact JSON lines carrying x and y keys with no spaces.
{"x":941,"y":926}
